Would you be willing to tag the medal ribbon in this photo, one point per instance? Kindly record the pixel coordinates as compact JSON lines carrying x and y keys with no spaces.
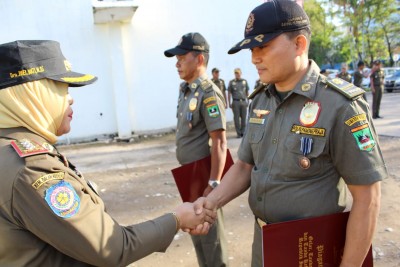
{"x":306,"y":145}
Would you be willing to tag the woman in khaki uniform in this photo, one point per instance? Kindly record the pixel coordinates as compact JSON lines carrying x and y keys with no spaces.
{"x":49,"y":214}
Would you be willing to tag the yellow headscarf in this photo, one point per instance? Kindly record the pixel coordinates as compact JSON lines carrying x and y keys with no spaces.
{"x":38,"y":106}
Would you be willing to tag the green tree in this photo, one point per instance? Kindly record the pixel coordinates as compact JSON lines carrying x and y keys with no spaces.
{"x":373,"y":25}
{"x":322,"y":47}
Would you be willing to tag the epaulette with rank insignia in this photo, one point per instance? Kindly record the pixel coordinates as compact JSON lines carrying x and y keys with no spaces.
{"x":260,"y":88}
{"x":347,"y":89}
{"x":26,"y":147}
{"x":206,"y":86}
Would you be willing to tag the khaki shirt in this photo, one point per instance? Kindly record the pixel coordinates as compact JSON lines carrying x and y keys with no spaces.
{"x":220,"y":83}
{"x":201,"y":110}
{"x":345,"y":76}
{"x":377,"y":78}
{"x":344,"y":144}
{"x":50,"y":216}
{"x":239,"y":89}
{"x":358,"y":77}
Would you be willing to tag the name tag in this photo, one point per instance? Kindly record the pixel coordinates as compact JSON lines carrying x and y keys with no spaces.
{"x":257,"y":120}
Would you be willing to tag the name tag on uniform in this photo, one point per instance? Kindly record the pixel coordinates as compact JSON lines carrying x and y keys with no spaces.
{"x":257,"y":120}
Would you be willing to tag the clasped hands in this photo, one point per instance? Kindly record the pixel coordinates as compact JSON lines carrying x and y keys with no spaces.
{"x":196,"y":218}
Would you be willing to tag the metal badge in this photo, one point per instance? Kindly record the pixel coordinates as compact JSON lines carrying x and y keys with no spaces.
{"x":310,"y":113}
{"x":193,"y":104}
{"x":306,"y":87}
{"x":261,"y":112}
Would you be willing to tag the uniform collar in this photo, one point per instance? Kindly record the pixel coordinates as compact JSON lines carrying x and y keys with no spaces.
{"x":196,"y":83}
{"x":308,"y":84}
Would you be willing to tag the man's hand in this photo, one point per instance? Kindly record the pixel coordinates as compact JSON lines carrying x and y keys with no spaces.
{"x":189,"y":217}
{"x":203,"y":205}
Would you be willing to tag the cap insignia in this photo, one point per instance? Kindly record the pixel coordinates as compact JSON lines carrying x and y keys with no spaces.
{"x":250,"y":23}
{"x":68,"y":65}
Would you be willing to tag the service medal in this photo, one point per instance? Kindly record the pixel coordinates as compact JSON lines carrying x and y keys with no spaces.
{"x":304,"y":163}
{"x":193,"y":104}
{"x":306,"y":144}
{"x":309,"y":114}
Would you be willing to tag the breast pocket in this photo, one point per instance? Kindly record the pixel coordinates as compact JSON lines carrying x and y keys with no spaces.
{"x":298,"y":165}
{"x":255,"y":132}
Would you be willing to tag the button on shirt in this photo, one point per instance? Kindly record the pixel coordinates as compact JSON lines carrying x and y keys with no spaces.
{"x":281,"y":189}
{"x":194,"y":126}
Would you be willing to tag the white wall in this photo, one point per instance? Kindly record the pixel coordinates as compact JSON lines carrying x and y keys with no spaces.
{"x":149,"y":81}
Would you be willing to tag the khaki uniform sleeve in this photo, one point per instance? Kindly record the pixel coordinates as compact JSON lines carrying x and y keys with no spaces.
{"x":84,"y":232}
{"x":355,"y":147}
{"x":213,"y":111}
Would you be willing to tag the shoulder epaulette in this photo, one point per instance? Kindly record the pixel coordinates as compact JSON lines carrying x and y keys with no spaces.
{"x":26,"y":147}
{"x":347,"y":89}
{"x":260,"y":88}
{"x":206,"y":85}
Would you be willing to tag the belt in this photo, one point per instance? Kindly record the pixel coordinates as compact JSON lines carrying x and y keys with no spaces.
{"x":239,"y":99}
{"x":260,"y":222}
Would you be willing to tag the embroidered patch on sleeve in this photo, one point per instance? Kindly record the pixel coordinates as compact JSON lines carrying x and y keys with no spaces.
{"x":48,"y":177}
{"x":213,"y":111}
{"x":356,"y":118}
{"x":209,"y":99}
{"x":364,"y":137}
{"x":63,"y":199}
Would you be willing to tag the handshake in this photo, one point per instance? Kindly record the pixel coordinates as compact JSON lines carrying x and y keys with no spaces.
{"x":196,"y":218}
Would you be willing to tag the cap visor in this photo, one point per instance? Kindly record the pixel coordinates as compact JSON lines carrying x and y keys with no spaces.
{"x":74,"y":79}
{"x":253,"y":41}
{"x":176,"y":51}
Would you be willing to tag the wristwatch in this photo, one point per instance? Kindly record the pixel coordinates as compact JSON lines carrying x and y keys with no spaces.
{"x":213,"y":183}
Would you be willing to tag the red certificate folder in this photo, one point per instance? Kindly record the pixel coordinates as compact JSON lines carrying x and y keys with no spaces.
{"x":310,"y":242}
{"x":192,"y":179}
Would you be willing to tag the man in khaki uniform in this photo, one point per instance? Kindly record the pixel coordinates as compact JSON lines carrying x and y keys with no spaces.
{"x":343,"y":74}
{"x":220,"y":83}
{"x":238,"y":90}
{"x":201,"y":116}
{"x":49,"y":214}
{"x":308,"y":137}
{"x":377,"y":85}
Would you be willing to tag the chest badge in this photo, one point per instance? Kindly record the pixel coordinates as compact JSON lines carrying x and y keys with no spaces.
{"x":193,"y":104}
{"x":310,"y":113}
{"x":261,"y":112}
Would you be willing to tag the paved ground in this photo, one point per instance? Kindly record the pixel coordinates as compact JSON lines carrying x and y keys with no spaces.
{"x":390,"y":110}
{"x":136,"y":184}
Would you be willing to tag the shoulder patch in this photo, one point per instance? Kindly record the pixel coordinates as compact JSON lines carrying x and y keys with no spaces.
{"x":257,"y":90}
{"x":48,"y":177}
{"x":206,"y":85}
{"x":364,"y":138}
{"x":63,"y":199}
{"x":26,"y":147}
{"x":347,"y":89}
